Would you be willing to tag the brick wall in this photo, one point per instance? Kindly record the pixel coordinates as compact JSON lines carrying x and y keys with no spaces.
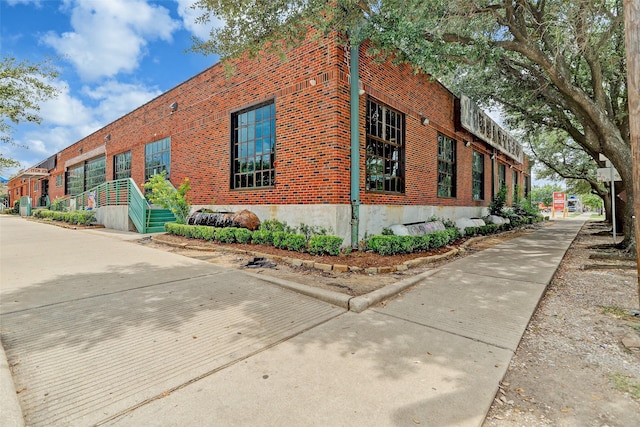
{"x":311,"y":94}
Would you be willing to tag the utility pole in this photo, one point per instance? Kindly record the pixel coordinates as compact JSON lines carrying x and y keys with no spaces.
{"x":632,"y":43}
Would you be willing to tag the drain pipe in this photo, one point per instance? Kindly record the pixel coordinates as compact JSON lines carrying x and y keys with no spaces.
{"x":355,"y":139}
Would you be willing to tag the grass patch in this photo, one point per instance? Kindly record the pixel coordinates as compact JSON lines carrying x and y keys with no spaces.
{"x":615,"y":311}
{"x":596,"y":216}
{"x":626,"y":384}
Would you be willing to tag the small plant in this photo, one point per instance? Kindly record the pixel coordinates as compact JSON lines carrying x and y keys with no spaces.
{"x":295,"y":242}
{"x":161,"y":192}
{"x":309,"y":231}
{"x":274,"y":225}
{"x":496,"y":206}
{"x":58,"y":205}
{"x":387,"y":232}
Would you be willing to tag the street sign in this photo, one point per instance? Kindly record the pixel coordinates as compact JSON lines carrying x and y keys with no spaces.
{"x":604,"y":175}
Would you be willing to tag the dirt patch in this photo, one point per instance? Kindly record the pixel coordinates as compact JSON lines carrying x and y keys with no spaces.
{"x":573,"y":366}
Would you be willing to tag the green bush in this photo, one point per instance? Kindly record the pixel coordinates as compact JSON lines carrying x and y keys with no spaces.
{"x":243,"y":235}
{"x":161,"y":192}
{"x":391,"y":245}
{"x":226,"y":234}
{"x":320,"y":245}
{"x":274,"y":225}
{"x":278,"y":239}
{"x":262,"y":237}
{"x":421,"y":243}
{"x":438,"y":239}
{"x":295,"y":242}
{"x":58,"y":205}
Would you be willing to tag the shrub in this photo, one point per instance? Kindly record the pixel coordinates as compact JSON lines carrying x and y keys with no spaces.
{"x":295,"y":242}
{"x":319,"y":245}
{"x":274,"y":225}
{"x":438,"y":239}
{"x":279,"y":238}
{"x":243,"y":235}
{"x":421,"y":243}
{"x":58,"y":205}
{"x":311,"y":230}
{"x":497,"y":204}
{"x":391,"y":245}
{"x":226,"y":234}
{"x":262,"y":237}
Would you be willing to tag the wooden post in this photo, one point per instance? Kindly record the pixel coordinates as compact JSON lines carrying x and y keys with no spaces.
{"x":632,"y":43}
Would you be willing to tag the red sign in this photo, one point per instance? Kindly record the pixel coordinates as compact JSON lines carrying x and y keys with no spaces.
{"x":558,"y":201}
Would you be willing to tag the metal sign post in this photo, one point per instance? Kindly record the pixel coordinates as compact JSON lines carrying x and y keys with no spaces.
{"x":613,"y":201}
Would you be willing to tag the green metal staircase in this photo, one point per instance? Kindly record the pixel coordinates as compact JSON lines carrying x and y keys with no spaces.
{"x":146,"y":218}
{"x":157,"y":218}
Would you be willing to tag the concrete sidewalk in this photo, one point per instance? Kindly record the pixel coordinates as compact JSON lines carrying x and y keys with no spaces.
{"x":434,"y":355}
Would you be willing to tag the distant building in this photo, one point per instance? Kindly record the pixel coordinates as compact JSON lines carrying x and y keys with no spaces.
{"x":274,"y":137}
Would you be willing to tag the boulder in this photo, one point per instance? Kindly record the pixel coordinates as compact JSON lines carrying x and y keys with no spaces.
{"x":494,"y":219}
{"x":417,"y":229}
{"x":463,"y":223}
{"x":243,"y":219}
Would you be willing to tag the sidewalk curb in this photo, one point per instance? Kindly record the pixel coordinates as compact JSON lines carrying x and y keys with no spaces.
{"x":335,"y":298}
{"x":11,"y":413}
{"x":362,"y":302}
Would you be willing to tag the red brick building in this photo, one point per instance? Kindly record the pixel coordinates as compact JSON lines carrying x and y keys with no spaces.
{"x":274,"y":137}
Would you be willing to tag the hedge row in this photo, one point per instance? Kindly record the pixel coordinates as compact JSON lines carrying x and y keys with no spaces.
{"x":316,"y":245}
{"x":392,"y":245}
{"x":72,"y":217}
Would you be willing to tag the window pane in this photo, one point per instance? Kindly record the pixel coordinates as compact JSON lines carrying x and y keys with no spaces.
{"x":385,"y":148}
{"x":255,"y":131}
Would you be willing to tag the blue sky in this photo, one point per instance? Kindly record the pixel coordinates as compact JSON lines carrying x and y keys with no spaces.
{"x":113,"y":56}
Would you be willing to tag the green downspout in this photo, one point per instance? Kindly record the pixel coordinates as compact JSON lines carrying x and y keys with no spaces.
{"x":355,"y":140}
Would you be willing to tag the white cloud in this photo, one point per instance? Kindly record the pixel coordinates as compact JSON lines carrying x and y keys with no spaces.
{"x":109,"y":37}
{"x":189,"y":15}
{"x":64,"y":109}
{"x":117,"y":99}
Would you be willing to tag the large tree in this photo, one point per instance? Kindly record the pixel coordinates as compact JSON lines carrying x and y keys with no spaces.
{"x":23,"y":86}
{"x":550,"y":63}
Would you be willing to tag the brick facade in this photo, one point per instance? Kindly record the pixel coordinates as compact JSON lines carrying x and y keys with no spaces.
{"x":310,"y":92}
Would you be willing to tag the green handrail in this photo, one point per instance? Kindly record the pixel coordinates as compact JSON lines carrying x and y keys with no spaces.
{"x":116,"y":193}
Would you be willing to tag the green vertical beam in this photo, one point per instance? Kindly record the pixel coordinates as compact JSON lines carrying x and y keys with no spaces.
{"x":355,"y":140}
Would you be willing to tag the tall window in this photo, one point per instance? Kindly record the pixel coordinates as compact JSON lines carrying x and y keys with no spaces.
{"x":95,"y":171}
{"x":478,"y":176}
{"x":157,"y":158}
{"x":59,"y":180}
{"x":514,"y":180}
{"x":385,"y":148}
{"x":527,"y":185}
{"x":446,"y":167}
{"x":254,"y":147}
{"x":75,"y":180}
{"x":502,"y":175}
{"x":122,"y":165}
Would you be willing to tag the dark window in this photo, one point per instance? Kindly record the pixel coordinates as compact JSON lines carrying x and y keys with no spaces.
{"x":514,"y":181}
{"x":157,"y":158}
{"x":253,"y":145}
{"x":122,"y":165}
{"x":385,"y":148}
{"x":478,"y":176}
{"x":502,"y":175}
{"x":527,"y":185}
{"x":59,"y":180}
{"x":446,"y":167}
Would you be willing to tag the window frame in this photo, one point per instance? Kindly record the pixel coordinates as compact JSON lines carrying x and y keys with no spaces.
{"x":446,"y":166}
{"x":253,"y":147}
{"x":477,"y":176}
{"x":116,"y":164}
{"x":385,"y":149}
{"x":157,"y":150}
